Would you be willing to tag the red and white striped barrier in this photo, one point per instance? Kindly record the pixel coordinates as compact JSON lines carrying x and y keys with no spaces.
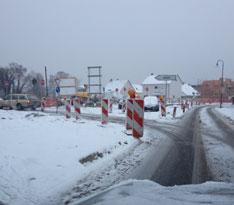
{"x":68,"y":108}
{"x":104,"y":111}
{"x":138,"y":118}
{"x":163,"y":108}
{"x":111,"y":104}
{"x":174,"y":111}
{"x":43,"y":103}
{"x":129,"y":114}
{"x":124,"y":106}
{"x":183,"y":108}
{"x":76,"y":104}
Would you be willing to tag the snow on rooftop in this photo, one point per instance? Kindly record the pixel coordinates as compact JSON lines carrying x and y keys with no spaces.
{"x":112,"y":85}
{"x":151,"y":79}
{"x":189,"y":90}
{"x":138,"y":88}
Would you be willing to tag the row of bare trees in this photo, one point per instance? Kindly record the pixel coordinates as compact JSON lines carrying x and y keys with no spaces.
{"x":14,"y":78}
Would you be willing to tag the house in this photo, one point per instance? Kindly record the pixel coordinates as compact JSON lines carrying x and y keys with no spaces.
{"x":188,"y":91}
{"x":154,"y":87}
{"x":212,"y":88}
{"x":138,"y":90}
{"x":117,"y":88}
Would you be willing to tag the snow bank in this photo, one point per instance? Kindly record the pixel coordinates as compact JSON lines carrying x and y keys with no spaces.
{"x":147,"y":192}
{"x":227,"y":111}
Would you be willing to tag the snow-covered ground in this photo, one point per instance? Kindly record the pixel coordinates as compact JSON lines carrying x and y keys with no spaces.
{"x":118,"y":113}
{"x":138,"y":192}
{"x":227,"y":111}
{"x":40,"y":153}
{"x":220,"y":155}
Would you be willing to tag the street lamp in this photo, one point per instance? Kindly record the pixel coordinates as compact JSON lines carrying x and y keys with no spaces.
{"x":221,"y":96}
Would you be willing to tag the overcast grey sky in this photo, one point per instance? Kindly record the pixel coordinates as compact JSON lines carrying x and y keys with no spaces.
{"x":128,"y":38}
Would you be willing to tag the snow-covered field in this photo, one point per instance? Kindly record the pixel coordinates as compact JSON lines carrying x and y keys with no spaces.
{"x":40,"y":153}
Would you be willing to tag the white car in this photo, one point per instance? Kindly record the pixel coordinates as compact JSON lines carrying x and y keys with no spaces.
{"x":151,"y":103}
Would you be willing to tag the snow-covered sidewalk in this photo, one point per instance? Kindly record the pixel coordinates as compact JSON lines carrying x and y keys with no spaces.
{"x":227,"y":111}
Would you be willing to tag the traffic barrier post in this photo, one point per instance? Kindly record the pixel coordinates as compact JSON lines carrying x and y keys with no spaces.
{"x":76,"y":104}
{"x":129,"y":114}
{"x":174,"y":112}
{"x":68,"y":108}
{"x":43,"y":103}
{"x":104,"y":111}
{"x":138,"y":118}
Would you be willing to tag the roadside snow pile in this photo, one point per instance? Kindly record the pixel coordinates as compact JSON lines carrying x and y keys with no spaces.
{"x":227,"y":111}
{"x":147,"y":192}
{"x":41,"y":154}
{"x":219,"y":154}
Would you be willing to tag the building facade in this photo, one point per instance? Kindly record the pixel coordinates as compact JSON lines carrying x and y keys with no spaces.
{"x":154,"y":87}
{"x":212,"y":88}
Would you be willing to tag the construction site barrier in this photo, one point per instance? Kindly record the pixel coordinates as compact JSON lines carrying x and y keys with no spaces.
{"x":76,"y":104}
{"x":138,"y":118}
{"x":104,"y":111}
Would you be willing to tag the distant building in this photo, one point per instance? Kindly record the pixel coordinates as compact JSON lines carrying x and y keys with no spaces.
{"x":188,"y":91}
{"x":118,"y":88}
{"x":154,"y":87}
{"x":212,"y":88}
{"x":138,"y":90}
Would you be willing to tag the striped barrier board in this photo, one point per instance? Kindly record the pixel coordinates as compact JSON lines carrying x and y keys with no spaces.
{"x":104,"y":111}
{"x":111,"y":104}
{"x":124,"y":106}
{"x":43,"y":103}
{"x":129,"y":114}
{"x":174,"y":111}
{"x":68,"y":108}
{"x":163,"y":108}
{"x":138,"y":118}
{"x":76,"y":103}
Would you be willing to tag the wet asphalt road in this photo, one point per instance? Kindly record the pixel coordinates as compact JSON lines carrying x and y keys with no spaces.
{"x":183,"y":162}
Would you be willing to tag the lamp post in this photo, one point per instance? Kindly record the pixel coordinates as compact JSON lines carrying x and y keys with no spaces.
{"x":221,"y":96}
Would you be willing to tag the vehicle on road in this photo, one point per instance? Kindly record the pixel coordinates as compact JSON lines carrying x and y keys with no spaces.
{"x":20,"y":101}
{"x":151,"y":103}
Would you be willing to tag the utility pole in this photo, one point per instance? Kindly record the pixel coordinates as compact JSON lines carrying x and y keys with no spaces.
{"x":46,"y":82}
{"x":221,"y":96}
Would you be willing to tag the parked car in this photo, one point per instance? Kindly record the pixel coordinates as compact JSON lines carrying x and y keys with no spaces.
{"x":20,"y":101}
{"x":151,"y":103}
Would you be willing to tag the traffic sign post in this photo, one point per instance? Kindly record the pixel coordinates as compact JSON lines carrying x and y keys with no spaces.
{"x":57,"y":89}
{"x":166,"y":78}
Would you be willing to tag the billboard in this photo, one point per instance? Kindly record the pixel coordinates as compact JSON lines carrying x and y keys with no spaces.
{"x":68,"y":86}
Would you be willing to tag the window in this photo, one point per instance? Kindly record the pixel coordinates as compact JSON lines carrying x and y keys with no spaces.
{"x":124,"y":89}
{"x":33,"y":97}
{"x":15,"y":97}
{"x":22,"y":97}
{"x":156,"y":87}
{"x":7,"y":97}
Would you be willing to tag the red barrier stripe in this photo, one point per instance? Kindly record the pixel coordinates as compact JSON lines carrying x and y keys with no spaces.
{"x":140,"y":103}
{"x":104,"y":111}
{"x":135,"y":133}
{"x":138,"y":118}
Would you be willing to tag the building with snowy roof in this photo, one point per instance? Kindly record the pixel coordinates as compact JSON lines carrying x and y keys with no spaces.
{"x":188,"y":91}
{"x":138,"y":89}
{"x":153,"y":87}
{"x":118,"y":88}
